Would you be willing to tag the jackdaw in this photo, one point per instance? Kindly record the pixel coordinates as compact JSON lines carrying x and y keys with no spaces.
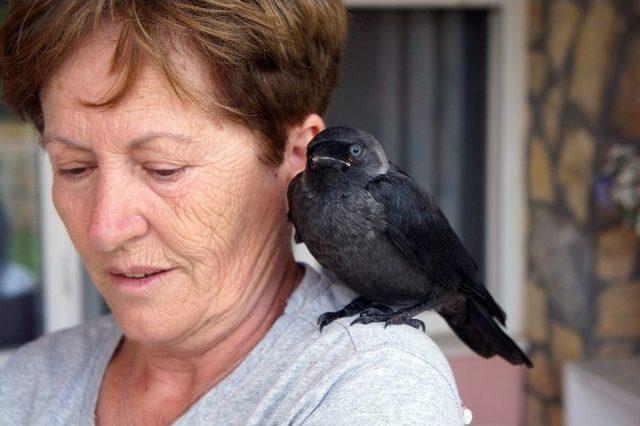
{"x":384,"y":236}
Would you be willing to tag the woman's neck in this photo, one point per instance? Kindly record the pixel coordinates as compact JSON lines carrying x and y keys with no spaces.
{"x":232,"y":337}
{"x":184,"y":370}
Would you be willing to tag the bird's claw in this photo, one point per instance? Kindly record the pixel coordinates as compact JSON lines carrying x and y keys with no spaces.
{"x":386,"y":315}
{"x":367,"y":319}
{"x":357,"y":305}
{"x":327,"y":318}
{"x":376,"y":309}
{"x":415,"y":323}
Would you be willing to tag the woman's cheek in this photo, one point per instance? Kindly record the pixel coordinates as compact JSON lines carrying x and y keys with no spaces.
{"x":203,"y":223}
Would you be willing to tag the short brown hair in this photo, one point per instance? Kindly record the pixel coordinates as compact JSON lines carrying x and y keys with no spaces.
{"x":272,"y":61}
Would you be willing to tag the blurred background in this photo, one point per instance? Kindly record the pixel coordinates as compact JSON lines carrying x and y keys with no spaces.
{"x":523,"y":118}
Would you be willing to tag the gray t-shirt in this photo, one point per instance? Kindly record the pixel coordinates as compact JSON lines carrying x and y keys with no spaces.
{"x":346,"y":375}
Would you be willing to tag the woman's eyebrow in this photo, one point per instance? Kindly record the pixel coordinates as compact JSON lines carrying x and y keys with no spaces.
{"x":133,"y":144}
{"x":49,"y":138}
{"x":149,"y":137}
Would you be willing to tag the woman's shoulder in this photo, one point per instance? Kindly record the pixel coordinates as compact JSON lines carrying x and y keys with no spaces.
{"x":320,"y":293}
{"x":394,"y":372}
{"x":48,"y":380}
{"x":398,"y":341}
{"x":390,"y":375}
{"x":397,"y":365}
{"x":60,"y":354}
{"x":73,"y":342}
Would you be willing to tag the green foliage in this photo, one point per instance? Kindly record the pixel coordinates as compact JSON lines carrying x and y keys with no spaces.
{"x":24,"y":248}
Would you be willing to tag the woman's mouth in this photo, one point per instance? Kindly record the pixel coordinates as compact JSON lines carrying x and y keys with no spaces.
{"x":134,"y":280}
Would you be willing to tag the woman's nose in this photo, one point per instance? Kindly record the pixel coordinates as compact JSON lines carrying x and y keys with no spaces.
{"x":116,"y":217}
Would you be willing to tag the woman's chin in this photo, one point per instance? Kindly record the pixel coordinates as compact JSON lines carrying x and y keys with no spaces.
{"x":150,"y":326}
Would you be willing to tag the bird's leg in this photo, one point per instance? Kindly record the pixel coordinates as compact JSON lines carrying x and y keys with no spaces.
{"x":401,"y":316}
{"x":376,"y":309}
{"x":356,"y":306}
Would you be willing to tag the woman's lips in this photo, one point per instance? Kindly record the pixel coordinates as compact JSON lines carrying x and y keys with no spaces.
{"x":120,"y":279}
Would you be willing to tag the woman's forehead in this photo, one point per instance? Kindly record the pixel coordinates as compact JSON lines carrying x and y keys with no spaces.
{"x":150,"y":105}
{"x":87,"y":76}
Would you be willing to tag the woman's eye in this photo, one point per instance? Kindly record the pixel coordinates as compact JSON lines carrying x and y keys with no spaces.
{"x":75,"y":173}
{"x":355,"y":150}
{"x":167,"y":175}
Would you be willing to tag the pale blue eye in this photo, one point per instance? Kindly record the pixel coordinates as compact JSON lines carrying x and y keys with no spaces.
{"x":355,"y":150}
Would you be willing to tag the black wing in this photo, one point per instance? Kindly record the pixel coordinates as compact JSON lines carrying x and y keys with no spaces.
{"x":415,"y":223}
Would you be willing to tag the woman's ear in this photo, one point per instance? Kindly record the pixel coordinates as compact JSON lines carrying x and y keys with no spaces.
{"x":298,"y":137}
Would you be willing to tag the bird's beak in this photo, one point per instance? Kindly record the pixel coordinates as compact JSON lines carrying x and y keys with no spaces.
{"x":321,"y":162}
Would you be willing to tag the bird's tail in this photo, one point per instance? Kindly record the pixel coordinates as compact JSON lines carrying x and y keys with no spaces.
{"x":475,"y":327}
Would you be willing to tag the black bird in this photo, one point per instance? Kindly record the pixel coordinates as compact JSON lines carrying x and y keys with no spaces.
{"x":384,"y":236}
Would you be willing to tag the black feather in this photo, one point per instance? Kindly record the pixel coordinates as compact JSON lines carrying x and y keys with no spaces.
{"x":418,"y":227}
{"x":421,"y":231}
{"x":474,"y":327}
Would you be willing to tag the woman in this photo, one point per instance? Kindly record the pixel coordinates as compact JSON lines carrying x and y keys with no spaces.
{"x":173,"y":129}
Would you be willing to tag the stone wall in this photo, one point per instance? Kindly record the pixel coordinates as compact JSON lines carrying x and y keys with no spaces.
{"x":583,"y":293}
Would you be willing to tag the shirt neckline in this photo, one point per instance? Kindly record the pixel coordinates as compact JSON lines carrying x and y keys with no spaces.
{"x":226,"y":385}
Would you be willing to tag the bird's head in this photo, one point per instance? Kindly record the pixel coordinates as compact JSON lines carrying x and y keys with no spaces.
{"x":346,"y":150}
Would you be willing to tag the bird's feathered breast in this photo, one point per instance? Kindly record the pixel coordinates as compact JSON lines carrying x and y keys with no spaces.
{"x":333,"y":205}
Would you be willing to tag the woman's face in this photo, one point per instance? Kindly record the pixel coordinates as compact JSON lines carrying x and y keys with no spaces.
{"x":154,"y":185}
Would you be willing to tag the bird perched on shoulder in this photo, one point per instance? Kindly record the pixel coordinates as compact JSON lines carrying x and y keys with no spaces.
{"x":384,"y":236}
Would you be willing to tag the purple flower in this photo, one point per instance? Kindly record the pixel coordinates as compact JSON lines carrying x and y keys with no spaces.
{"x":602,"y":186}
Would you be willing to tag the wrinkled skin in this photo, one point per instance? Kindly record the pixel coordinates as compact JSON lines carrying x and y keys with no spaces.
{"x":210,"y":209}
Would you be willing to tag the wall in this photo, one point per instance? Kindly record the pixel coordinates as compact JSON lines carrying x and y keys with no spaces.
{"x":490,"y":388}
{"x":583,"y":293}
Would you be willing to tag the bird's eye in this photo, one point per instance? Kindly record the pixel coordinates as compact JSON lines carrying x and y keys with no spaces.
{"x":355,"y":150}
